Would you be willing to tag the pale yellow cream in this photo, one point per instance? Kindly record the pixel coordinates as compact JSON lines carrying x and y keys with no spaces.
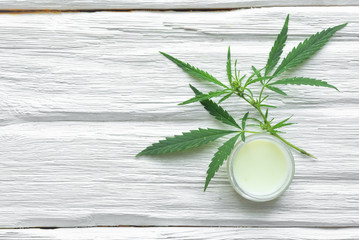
{"x":260,"y":167}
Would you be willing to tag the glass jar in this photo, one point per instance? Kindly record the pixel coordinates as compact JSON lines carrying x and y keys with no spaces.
{"x":269,"y":140}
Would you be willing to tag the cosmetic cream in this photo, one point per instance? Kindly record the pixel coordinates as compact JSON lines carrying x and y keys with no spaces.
{"x":261,"y":168}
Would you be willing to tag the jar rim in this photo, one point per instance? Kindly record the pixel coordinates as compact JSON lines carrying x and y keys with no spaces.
{"x":286,"y":182}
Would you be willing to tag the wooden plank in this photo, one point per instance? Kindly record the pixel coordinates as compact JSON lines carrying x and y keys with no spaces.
{"x":106,"y":66}
{"x":69,"y":174}
{"x":83,"y":93}
{"x":163,"y":4}
{"x":182,"y":233}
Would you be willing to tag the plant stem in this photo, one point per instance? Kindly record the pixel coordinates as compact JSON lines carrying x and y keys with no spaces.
{"x":260,"y":94}
{"x":269,"y":125}
{"x":251,"y":132}
{"x":293,"y":146}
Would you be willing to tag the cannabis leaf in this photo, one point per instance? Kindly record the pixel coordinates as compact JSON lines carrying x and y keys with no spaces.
{"x":275,"y":89}
{"x":302,"y":81}
{"x":225,"y":97}
{"x":229,"y":66}
{"x":277,"y":48}
{"x":267,"y":105}
{"x":249,"y":82}
{"x":258,"y":74}
{"x":241,"y":86}
{"x":217,"y":111}
{"x":193,"y":71}
{"x":244,"y":119}
{"x":191,"y":139}
{"x":219,"y":157}
{"x":282,"y":124}
{"x":306,"y":49}
{"x":256,"y":71}
{"x":201,"y":97}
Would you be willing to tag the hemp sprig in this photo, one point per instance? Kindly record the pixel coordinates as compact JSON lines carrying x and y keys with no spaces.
{"x":241,"y":86}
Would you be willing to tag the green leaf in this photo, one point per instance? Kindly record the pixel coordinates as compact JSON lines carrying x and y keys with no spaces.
{"x":225,"y":97}
{"x":193,"y":71}
{"x":264,"y":98}
{"x":304,"y":81}
{"x":275,"y":89}
{"x":229,"y":66}
{"x":202,"y":97}
{"x":260,"y":79}
{"x":219,"y":157}
{"x":282,"y":124}
{"x":240,"y":80}
{"x":236,"y":73}
{"x":243,"y":136}
{"x":217,"y":111}
{"x":266,"y":115}
{"x":276,"y":131}
{"x":268,"y":106}
{"x":306,"y":49}
{"x":187,"y":140}
{"x":258,"y":73}
{"x":250,"y":92}
{"x":277,"y":48}
{"x":244,"y":119}
{"x":255,"y":119}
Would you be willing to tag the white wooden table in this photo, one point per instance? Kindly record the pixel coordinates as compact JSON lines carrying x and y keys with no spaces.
{"x":83,"y":91}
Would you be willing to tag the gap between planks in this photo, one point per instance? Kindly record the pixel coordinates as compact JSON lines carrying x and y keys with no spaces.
{"x":58,"y":11}
{"x":186,"y":226}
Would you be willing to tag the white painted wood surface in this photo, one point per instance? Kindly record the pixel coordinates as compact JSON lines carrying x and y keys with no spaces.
{"x":164,"y":4}
{"x":183,"y":233}
{"x":82,"y":93}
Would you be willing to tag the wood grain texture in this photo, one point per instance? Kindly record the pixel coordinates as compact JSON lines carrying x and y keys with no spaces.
{"x":183,"y":233}
{"x":82,"y":93}
{"x":163,"y":4}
